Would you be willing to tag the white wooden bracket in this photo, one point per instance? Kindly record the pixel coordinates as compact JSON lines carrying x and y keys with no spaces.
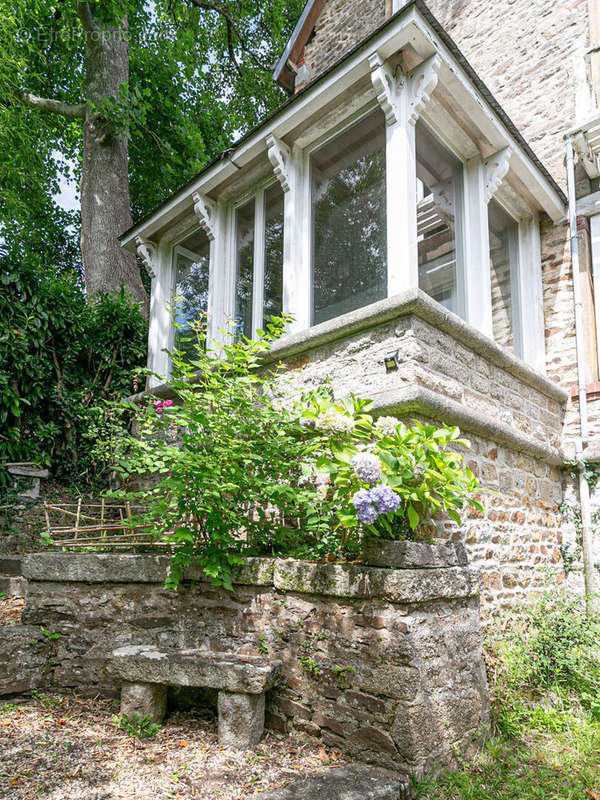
{"x":148,"y":252}
{"x":279,"y":155}
{"x":400,"y":94}
{"x":496,"y":169}
{"x":205,"y":210}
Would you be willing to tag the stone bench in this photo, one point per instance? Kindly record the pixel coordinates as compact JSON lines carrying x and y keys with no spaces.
{"x":241,"y":681}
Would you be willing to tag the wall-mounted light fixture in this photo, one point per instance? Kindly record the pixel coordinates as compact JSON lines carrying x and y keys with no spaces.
{"x":391,"y":361}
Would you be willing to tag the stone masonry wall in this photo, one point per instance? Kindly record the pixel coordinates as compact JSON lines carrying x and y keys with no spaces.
{"x":444,"y":379}
{"x":385,"y":664}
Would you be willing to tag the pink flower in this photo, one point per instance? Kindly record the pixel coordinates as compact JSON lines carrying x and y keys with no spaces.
{"x":157,"y":403}
{"x":159,"y":410}
{"x":168,"y":403}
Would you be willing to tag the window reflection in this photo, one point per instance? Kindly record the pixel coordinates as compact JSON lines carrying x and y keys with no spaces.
{"x":503,"y":233}
{"x":192,"y":259}
{"x":349,"y":258}
{"x":273,"y":285}
{"x":439,"y":177}
{"x":244,"y":229}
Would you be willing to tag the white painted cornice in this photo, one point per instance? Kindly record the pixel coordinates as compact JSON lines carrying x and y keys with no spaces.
{"x":496,"y":169}
{"x":399,"y":94}
{"x":148,"y":252}
{"x":279,"y":153}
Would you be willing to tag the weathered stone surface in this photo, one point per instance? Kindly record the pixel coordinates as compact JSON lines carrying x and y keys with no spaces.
{"x":352,"y":782}
{"x":129,"y":568}
{"x":11,"y":565}
{"x":144,"y":700}
{"x":241,"y":719}
{"x":147,"y":664}
{"x":414,"y":555}
{"x":355,"y":580}
{"x":24,"y":658}
{"x":17,"y":587}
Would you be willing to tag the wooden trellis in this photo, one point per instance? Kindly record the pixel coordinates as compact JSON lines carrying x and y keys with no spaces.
{"x":98,"y":525}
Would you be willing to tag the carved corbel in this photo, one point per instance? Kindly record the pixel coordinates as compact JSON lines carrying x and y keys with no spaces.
{"x":148,"y":253}
{"x":396,"y":92}
{"x":496,"y":168}
{"x":386,"y":88}
{"x":205,"y":210}
{"x":279,"y":155}
{"x":421,"y":85}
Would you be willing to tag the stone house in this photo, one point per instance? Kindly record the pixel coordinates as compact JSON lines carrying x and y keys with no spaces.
{"x":409,"y":203}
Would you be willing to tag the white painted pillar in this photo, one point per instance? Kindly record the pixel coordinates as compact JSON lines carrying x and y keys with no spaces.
{"x":402,"y":98}
{"x":401,"y":204}
{"x":531,"y":295}
{"x":478,"y":284}
{"x":160,"y":333}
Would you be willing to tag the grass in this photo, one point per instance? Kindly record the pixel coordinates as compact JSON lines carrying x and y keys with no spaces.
{"x":545,"y":714}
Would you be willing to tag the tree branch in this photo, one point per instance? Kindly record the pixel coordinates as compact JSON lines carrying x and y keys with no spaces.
{"x":207,"y":5}
{"x":84,"y":13}
{"x":71,"y":110}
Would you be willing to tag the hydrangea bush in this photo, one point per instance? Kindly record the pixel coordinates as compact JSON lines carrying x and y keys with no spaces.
{"x":386,"y":478}
{"x":238,"y":468}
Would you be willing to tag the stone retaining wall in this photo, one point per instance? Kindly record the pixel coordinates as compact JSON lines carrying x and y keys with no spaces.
{"x":384,"y":664}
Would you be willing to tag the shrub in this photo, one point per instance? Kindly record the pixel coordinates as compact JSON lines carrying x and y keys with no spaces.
{"x":237,"y":468}
{"x":61,"y":359}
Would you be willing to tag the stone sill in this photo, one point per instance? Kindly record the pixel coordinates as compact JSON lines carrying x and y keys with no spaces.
{"x":332,"y":580}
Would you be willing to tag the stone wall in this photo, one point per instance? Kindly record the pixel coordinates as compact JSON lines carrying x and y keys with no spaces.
{"x":384,"y":664}
{"x":448,"y":373}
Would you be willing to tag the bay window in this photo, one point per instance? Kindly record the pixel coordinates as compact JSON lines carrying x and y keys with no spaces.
{"x":348,"y":199}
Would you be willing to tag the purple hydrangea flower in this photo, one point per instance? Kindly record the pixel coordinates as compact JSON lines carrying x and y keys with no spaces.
{"x":384,"y":498}
{"x":367,"y":466}
{"x":367,"y":515}
{"x":365,"y":510}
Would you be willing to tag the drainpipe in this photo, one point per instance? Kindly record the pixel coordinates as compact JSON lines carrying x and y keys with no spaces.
{"x":582,"y":440}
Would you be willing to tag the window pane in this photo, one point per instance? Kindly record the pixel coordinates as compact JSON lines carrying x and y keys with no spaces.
{"x":244,"y":217}
{"x":504,"y":274}
{"x":349,"y":264}
{"x":192,"y":259}
{"x":439,"y":177}
{"x":273,"y":294}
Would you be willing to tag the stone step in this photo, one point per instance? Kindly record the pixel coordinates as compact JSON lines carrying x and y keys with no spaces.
{"x":351,"y":782}
{"x":11,"y":565}
{"x":17,"y":587}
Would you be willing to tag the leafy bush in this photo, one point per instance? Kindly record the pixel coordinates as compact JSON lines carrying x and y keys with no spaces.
{"x":61,"y":359}
{"x":386,"y":478}
{"x":234,"y":467}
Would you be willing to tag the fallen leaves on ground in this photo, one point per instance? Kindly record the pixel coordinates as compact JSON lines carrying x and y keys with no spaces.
{"x":11,"y":609}
{"x":66,"y":747}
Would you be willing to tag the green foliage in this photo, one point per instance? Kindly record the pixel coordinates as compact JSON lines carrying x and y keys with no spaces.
{"x":198,"y":75}
{"x":227,"y":460}
{"x":61,"y":360}
{"x":420,"y":463}
{"x":544,"y":682}
{"x":136,"y":727}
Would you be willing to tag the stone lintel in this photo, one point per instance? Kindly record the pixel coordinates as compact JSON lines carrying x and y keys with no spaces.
{"x":414,"y":555}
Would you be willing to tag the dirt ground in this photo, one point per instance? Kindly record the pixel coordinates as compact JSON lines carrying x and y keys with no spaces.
{"x":65,"y":747}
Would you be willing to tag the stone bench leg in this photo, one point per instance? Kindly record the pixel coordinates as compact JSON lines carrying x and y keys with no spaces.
{"x":241,"y":719}
{"x":144,"y":699}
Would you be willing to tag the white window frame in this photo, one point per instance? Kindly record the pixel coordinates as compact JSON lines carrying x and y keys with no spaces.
{"x":515,"y":272}
{"x":257,"y":193}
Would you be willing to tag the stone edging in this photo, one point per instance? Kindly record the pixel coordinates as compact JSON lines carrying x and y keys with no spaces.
{"x":333,"y":580}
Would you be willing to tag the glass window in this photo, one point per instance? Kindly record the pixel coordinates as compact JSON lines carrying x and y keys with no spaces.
{"x":244,"y":248}
{"x":273,"y":285}
{"x":503,"y":231}
{"x":349,"y":247}
{"x":192,"y":259}
{"x":439,"y":180}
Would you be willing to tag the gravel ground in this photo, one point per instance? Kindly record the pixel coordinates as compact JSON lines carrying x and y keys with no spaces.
{"x":65,"y":747}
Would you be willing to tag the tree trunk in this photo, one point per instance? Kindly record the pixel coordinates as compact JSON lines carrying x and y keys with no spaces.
{"x":105,"y":204}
